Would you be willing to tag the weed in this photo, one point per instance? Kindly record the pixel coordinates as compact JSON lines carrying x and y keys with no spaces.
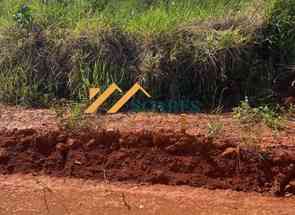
{"x":252,"y":116}
{"x":250,"y":129}
{"x":272,"y":119}
{"x":214,"y":129}
{"x":288,"y":111}
{"x":23,"y":16}
{"x":70,"y":116}
{"x":215,"y":126}
{"x":252,"y":123}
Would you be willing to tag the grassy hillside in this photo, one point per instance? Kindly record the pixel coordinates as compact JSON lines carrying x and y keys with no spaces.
{"x":214,"y":51}
{"x":135,"y":16}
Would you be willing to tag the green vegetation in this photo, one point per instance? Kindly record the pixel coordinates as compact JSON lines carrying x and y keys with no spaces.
{"x":214,"y":129}
{"x":215,"y":125}
{"x":70,"y":115}
{"x":281,"y":30}
{"x":192,"y":49}
{"x":263,"y":114}
{"x":139,"y":16}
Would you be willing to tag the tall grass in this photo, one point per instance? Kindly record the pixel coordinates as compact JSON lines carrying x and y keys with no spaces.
{"x":142,"y":16}
{"x":281,"y":31}
{"x":211,"y":50}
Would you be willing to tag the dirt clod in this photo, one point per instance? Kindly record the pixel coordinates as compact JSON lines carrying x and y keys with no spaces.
{"x":230,"y":152}
{"x":4,"y":156}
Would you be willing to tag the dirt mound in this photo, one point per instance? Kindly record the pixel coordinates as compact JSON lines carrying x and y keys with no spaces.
{"x":157,"y":157}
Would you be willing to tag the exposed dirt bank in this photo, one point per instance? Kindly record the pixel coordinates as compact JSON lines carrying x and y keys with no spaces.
{"x":148,"y":148}
{"x":159,"y":157}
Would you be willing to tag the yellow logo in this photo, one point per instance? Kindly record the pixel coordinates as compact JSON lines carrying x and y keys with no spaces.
{"x":108,"y":92}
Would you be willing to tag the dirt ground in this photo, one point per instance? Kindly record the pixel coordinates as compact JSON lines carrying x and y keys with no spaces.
{"x":144,"y":163}
{"x":28,"y":195}
{"x":12,"y":117}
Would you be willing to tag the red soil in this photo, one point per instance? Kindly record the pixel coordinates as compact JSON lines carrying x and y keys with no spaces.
{"x":166,"y":157}
{"x":41,"y":195}
{"x":144,"y":151}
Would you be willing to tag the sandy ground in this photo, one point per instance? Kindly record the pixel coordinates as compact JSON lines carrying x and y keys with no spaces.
{"x":29,"y":195}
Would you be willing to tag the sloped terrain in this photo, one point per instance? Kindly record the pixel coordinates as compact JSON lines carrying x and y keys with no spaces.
{"x":163,"y":154}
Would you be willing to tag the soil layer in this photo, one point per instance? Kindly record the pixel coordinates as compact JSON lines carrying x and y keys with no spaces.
{"x":156,"y":157}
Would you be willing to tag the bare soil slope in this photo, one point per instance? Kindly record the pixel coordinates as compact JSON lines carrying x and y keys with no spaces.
{"x":148,"y":148}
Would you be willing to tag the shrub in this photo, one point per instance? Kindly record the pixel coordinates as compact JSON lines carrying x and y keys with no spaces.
{"x":23,"y":16}
{"x":251,"y":116}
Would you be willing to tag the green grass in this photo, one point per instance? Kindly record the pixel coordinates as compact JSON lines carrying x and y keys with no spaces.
{"x":190,"y":49}
{"x":138,"y":16}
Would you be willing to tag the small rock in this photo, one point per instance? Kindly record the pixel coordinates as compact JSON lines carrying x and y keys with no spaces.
{"x":90,"y":143}
{"x":229,"y":152}
{"x":61,"y":138}
{"x":61,"y":147}
{"x":77,"y":162}
{"x":288,"y":194}
{"x":72,"y":143}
